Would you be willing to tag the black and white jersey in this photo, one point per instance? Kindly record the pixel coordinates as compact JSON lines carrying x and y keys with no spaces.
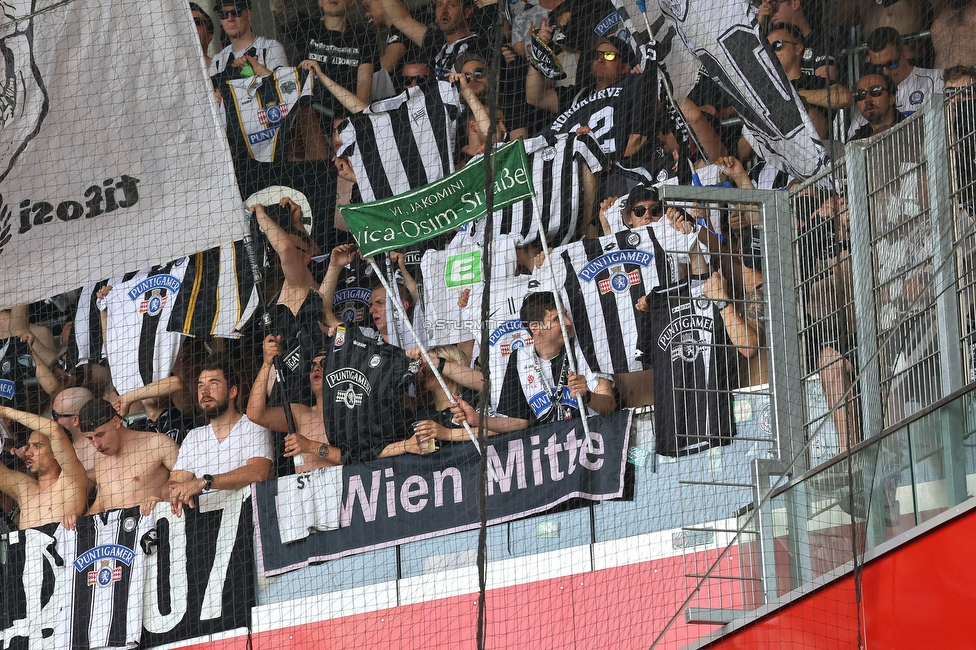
{"x":16,"y":367}
{"x":442,"y":54}
{"x":362,"y":394}
{"x":140,"y":349}
{"x":726,"y":40}
{"x":505,"y":332}
{"x":403,"y":142}
{"x":256,"y":109}
{"x":34,"y":584}
{"x":353,"y":292}
{"x":602,"y":280}
{"x":220,"y":297}
{"x":556,"y":162}
{"x":86,"y":343}
{"x":694,"y":372}
{"x":612,"y":113}
{"x":108,"y":578}
{"x":536,"y":389}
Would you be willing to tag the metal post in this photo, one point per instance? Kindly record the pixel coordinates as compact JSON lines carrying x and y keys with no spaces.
{"x":862,"y":266}
{"x":943,"y":255}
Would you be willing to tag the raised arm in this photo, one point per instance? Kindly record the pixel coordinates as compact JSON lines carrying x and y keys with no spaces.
{"x":398,"y":14}
{"x":539,"y":91}
{"x":349,"y":100}
{"x":341,"y":255}
{"x":293,"y":261}
{"x":409,"y":283}
{"x":477,"y":109}
{"x":258,"y":410}
{"x":61,"y":446}
{"x":160,"y":388}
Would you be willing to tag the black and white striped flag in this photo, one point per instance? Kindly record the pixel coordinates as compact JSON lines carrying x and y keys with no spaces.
{"x":559,"y":164}
{"x":403,"y":142}
{"x":602,"y":280}
{"x":220,"y":296}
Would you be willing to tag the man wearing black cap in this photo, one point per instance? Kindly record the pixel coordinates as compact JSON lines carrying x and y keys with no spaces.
{"x":131,"y":467}
{"x":235,"y":19}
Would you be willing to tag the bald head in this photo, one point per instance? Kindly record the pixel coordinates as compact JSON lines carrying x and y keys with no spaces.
{"x":66,"y":406}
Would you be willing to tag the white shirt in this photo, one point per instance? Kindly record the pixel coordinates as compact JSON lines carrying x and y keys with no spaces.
{"x":270,"y":54}
{"x":201,"y":453}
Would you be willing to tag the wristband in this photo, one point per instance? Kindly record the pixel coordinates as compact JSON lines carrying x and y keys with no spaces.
{"x":720,"y":304}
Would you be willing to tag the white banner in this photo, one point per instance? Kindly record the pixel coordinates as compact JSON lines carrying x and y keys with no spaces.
{"x":111,"y":156}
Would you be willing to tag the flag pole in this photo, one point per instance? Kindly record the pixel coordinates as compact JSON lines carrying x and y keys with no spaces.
{"x":560,"y":313}
{"x":398,"y":306}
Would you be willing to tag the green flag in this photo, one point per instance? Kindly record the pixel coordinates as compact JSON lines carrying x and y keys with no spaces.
{"x":438,"y":207}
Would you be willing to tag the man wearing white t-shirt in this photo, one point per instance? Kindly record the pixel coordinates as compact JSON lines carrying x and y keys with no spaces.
{"x":235,"y":19}
{"x":227,"y":454}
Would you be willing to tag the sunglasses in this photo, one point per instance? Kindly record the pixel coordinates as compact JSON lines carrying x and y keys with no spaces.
{"x":874,"y":91}
{"x":779,"y":45}
{"x":198,"y":22}
{"x":233,"y":13}
{"x":413,"y":79}
{"x":57,"y":416}
{"x":477,"y":73}
{"x":608,"y":55}
{"x":316,"y":364}
{"x":890,"y":65}
{"x":640,"y":210}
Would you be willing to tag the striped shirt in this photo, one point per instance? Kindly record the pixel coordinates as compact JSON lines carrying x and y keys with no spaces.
{"x":556,"y":162}
{"x":403,"y":142}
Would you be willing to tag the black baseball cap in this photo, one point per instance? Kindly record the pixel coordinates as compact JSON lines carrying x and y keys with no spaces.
{"x":95,"y":413}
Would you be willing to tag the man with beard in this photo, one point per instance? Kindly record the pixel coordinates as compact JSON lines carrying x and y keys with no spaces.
{"x":228,"y":453}
{"x":131,"y":467}
{"x":875,"y":97}
{"x":56,"y":485}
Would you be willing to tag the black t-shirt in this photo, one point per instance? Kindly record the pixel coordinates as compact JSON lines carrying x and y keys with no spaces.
{"x":513,"y":402}
{"x":866,"y":132}
{"x":301,"y":338}
{"x":612,"y":114}
{"x":818,"y":50}
{"x":363,"y":387}
{"x":340,"y":54}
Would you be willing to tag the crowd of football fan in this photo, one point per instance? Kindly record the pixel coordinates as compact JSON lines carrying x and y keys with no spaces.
{"x":95,"y":449}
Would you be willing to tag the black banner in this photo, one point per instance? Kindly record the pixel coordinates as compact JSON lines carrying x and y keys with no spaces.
{"x":407,"y":498}
{"x":123,"y":579}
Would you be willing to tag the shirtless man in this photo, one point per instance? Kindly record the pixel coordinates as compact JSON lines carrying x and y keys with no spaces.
{"x":56,"y":486}
{"x":311,"y":440}
{"x":132,"y":467}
